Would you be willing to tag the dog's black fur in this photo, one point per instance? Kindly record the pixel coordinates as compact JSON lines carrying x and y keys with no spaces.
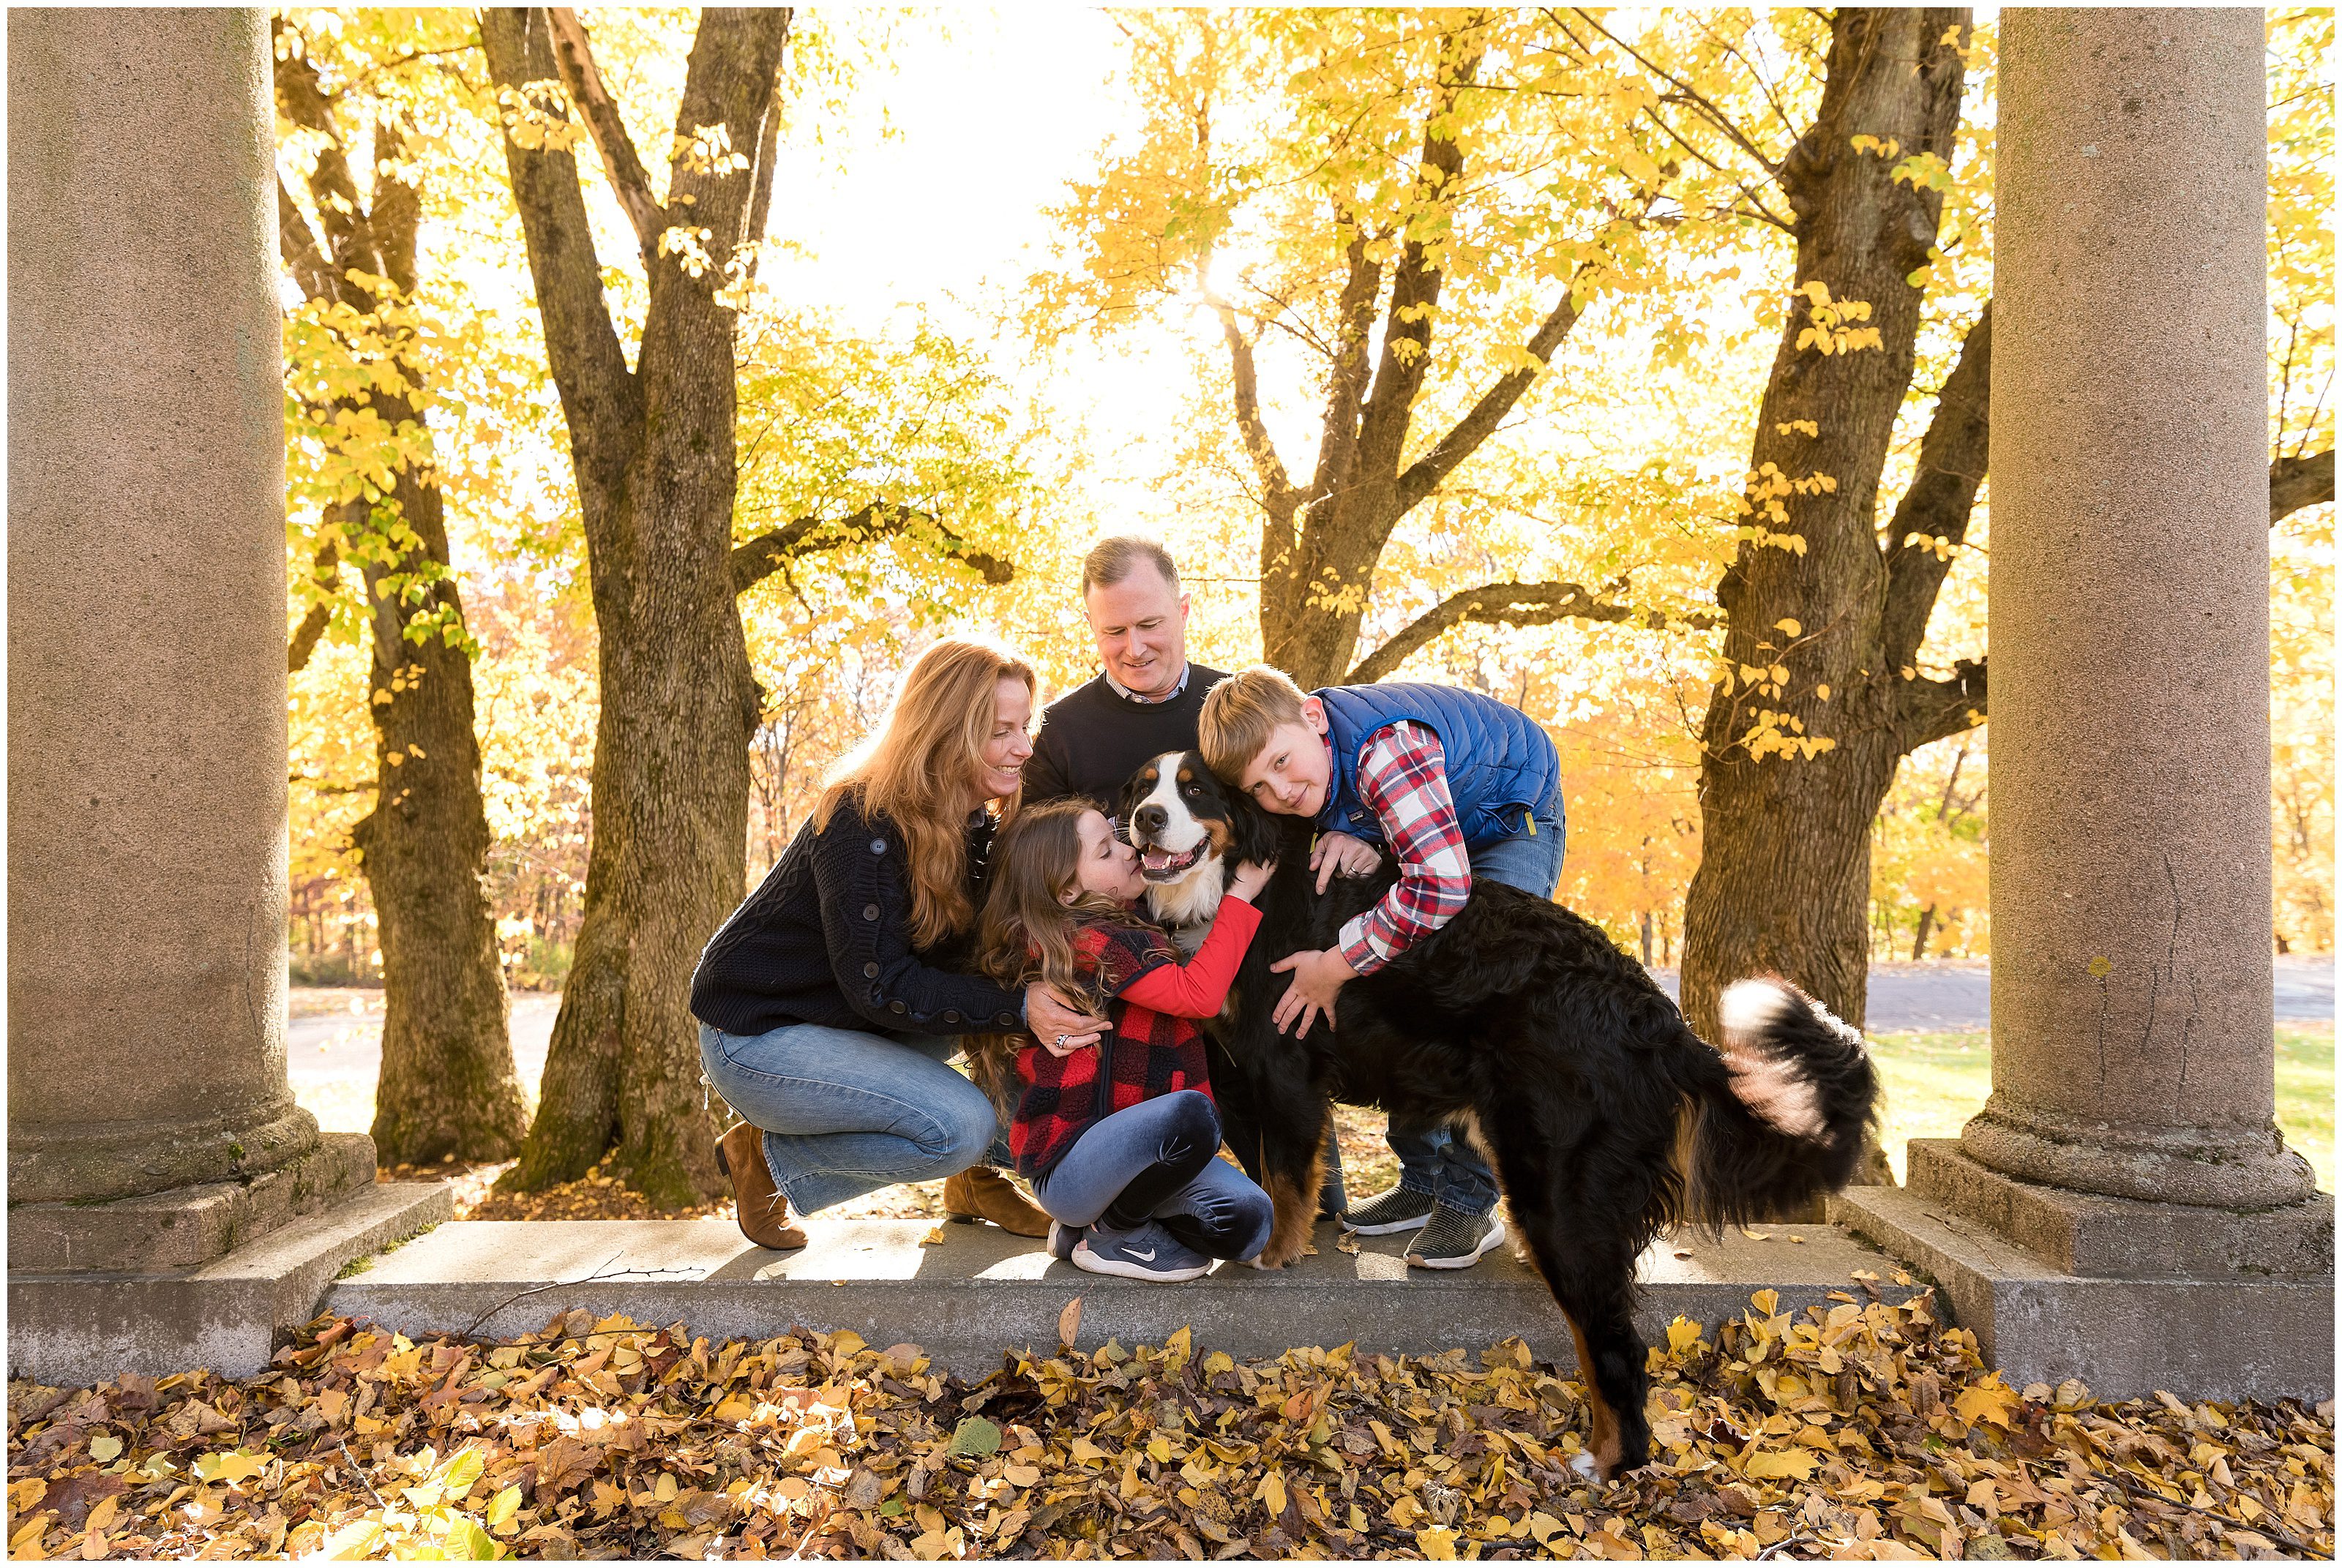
{"x":1526,"y":1026}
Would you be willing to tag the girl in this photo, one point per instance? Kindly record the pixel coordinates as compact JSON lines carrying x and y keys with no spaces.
{"x":1120,"y":1139}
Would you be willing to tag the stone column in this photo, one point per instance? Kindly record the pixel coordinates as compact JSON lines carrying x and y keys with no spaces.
{"x":2131,"y":984}
{"x":146,"y":684}
{"x":2123,"y":1209}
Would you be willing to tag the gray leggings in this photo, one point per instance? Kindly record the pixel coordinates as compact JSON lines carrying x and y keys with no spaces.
{"x":1158,"y":1160}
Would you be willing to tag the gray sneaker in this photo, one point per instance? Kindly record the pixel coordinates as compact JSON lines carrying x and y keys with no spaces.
{"x":1456,"y":1240}
{"x":1148,"y":1253}
{"x":1400,"y":1209}
{"x":1063,"y":1239}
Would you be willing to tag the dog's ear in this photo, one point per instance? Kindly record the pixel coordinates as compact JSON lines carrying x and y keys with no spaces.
{"x":1256,"y":833}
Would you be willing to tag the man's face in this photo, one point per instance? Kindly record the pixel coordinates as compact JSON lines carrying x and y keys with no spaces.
{"x":1141,"y":628}
{"x":1290,"y":774}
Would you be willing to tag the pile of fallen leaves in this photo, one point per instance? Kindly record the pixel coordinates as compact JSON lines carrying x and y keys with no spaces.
{"x":1863,"y":1429}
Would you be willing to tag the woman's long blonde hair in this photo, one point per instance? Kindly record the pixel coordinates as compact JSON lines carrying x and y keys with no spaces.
{"x":921,"y":767}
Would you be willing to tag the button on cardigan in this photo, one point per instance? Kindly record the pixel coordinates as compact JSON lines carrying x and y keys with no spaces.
{"x":783,"y":956}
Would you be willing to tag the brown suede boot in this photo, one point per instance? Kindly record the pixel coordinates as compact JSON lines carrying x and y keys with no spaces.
{"x":981,"y":1193}
{"x":764,"y":1217}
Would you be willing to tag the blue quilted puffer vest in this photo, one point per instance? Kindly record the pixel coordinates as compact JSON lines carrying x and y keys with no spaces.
{"x":1500,"y":763}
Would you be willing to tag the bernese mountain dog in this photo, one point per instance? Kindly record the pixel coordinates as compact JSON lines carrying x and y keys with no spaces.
{"x":1524,"y":1027}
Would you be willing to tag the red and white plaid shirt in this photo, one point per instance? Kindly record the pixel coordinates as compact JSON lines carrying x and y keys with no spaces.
{"x":1402,"y":780}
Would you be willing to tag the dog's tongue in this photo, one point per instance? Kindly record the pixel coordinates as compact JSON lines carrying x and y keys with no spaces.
{"x":1156,"y":859}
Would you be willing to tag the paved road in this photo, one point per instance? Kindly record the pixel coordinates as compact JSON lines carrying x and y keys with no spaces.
{"x":337,"y":1034}
{"x":1957,"y":994}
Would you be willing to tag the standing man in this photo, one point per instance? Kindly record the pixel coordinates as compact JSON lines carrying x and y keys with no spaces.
{"x":1144,"y":699}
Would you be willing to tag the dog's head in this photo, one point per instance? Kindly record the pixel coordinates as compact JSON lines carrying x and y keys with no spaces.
{"x":1190,"y":831}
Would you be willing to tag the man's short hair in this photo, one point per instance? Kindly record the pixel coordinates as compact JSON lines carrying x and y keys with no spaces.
{"x":1239,"y":715}
{"x":1111,"y":559}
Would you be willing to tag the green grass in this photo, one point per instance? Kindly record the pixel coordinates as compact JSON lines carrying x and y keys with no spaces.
{"x":1935,"y":1082}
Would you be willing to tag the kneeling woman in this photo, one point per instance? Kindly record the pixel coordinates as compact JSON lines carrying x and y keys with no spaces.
{"x":1120,"y":1139}
{"x":827,"y":1005}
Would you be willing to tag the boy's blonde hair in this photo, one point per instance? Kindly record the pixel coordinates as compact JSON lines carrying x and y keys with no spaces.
{"x":1239,"y":715}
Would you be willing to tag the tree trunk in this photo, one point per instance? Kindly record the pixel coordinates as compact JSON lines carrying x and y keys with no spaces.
{"x":1919,"y":943}
{"x":653,"y":454}
{"x":1802,"y":735}
{"x":448,"y":1086}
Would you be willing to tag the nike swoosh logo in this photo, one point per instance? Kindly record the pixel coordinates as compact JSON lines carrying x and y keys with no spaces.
{"x":1145,"y":1257}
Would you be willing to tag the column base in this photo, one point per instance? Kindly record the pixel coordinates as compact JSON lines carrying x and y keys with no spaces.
{"x":2129,"y":1296}
{"x":186,"y":1227}
{"x":79,"y":1330}
{"x":2216,"y":1168}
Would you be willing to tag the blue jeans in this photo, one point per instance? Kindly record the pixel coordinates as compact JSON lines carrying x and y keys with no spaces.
{"x":1431,"y":1159}
{"x":1159,"y":1160}
{"x":846,"y":1113}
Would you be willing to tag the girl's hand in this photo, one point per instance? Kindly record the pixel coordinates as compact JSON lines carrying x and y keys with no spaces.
{"x":1061,"y":1028}
{"x":1249,"y":880}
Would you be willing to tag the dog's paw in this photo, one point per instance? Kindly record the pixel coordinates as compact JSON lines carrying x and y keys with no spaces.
{"x":1585,"y":1465}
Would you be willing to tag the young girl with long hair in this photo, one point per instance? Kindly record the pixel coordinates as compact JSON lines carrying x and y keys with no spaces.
{"x":830,"y":1002}
{"x":1119,"y":1139}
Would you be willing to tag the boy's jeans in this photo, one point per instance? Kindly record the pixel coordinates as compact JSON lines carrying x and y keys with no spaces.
{"x":1431,"y":1159}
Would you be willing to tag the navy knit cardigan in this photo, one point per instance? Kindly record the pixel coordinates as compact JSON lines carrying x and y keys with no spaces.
{"x":826,"y":939}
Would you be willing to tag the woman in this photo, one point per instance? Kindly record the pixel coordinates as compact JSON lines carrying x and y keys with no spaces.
{"x":829,"y":1003}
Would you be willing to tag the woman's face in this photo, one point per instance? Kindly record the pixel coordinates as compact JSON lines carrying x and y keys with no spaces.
{"x":1108,"y":866}
{"x":1003,"y":758}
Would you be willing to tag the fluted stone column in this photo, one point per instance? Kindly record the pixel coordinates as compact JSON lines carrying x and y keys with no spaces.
{"x":2131,"y":984}
{"x":146,"y":684}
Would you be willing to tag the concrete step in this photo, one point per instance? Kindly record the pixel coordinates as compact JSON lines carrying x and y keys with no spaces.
{"x":84,"y":1328}
{"x":977,"y":1290}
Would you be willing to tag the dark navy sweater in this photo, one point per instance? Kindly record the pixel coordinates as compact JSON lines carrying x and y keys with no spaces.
{"x":826,"y":939}
{"x":1094,"y":738}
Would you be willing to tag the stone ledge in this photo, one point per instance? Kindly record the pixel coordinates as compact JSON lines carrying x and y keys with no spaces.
{"x":2228,"y":1337}
{"x":184,"y":1227}
{"x":980,"y":1291}
{"x":79,"y":1329}
{"x":2101,"y":1237}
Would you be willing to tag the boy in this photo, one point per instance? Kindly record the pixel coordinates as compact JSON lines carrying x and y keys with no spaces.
{"x":1453,"y":785}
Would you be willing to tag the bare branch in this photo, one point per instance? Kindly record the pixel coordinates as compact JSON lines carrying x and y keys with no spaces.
{"x":573,"y":53}
{"x":2298,"y":482}
{"x":1266,"y":463}
{"x":1929,"y":710}
{"x":297,"y":243}
{"x":1514,"y":605}
{"x":774,"y":549}
{"x":1941,"y":498}
{"x":1423,"y":476}
{"x":328,"y":573}
{"x":1346,"y":382}
{"x":768,"y":141}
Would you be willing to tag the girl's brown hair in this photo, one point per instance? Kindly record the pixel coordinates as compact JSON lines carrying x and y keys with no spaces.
{"x":922,"y":764}
{"x":1027,"y":932}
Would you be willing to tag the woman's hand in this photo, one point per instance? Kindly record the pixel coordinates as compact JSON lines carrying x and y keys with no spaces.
{"x":1339,"y":851}
{"x":1249,"y":880}
{"x":1060,"y":1026}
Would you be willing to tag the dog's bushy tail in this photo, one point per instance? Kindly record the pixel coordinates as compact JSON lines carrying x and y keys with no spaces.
{"x":1781,"y":1109}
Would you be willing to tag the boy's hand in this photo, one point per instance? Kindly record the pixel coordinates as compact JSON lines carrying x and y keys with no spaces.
{"x":1057,"y":1024}
{"x":1317,"y":976}
{"x":1340,"y":852}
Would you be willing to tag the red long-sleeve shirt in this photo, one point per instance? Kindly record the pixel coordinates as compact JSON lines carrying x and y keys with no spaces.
{"x":1151,"y":1048}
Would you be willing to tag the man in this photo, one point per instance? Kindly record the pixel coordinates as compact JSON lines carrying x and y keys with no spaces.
{"x":1142,"y":704}
{"x":1145,"y":698}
